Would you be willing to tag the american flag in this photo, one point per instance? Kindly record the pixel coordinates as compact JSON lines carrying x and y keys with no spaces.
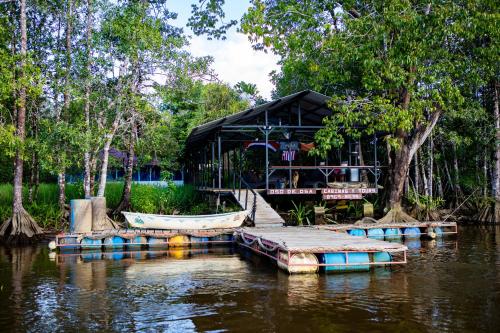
{"x":288,"y":155}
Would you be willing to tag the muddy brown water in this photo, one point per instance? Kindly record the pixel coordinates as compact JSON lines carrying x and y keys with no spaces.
{"x":449,"y":285}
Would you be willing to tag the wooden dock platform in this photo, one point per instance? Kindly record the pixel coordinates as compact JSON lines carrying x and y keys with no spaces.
{"x":306,"y":249}
{"x":142,"y":238}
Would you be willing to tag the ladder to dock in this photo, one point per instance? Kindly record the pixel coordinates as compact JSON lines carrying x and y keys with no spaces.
{"x":265,"y":215}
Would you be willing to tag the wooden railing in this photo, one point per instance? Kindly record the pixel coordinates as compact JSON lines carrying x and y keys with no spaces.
{"x":242,"y":183}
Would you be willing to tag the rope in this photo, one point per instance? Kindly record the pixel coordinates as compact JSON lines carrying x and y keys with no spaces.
{"x":453,"y":212}
{"x":247,"y":242}
{"x":271,"y":249}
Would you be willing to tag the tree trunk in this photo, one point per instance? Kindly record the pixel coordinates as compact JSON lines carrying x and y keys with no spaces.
{"x":496,"y":112}
{"x":21,"y":227}
{"x":105,"y":154}
{"x":417,"y":173}
{"x":447,"y":169}
{"x":61,"y":176}
{"x":456,"y":180}
{"x":430,"y":180}
{"x":398,"y":175}
{"x":485,"y":173}
{"x":439,"y":181}
{"x":424,"y":179}
{"x":104,"y":165}
{"x":93,"y":170}
{"x":61,"y":181}
{"x":127,"y":188}
{"x":86,"y":157}
{"x":32,"y":178}
{"x":400,"y":166}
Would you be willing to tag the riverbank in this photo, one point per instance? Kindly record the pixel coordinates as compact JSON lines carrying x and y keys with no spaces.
{"x":144,"y":198}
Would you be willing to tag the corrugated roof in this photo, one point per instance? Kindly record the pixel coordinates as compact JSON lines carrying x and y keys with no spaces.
{"x":313,"y":110}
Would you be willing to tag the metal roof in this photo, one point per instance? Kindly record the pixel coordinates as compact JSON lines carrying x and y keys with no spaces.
{"x":313,"y":108}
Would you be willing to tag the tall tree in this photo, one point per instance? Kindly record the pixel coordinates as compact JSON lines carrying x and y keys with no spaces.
{"x":392,"y":66}
{"x":20,"y":227}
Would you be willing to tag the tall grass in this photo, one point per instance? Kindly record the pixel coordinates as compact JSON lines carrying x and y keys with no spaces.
{"x":144,"y":198}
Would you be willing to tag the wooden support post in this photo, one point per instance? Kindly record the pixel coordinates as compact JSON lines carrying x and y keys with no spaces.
{"x":212,"y":169}
{"x":375,"y":161}
{"x":289,"y":163}
{"x":234,"y":169}
{"x":266,"y":131}
{"x":219,"y":162}
{"x":300,"y":115}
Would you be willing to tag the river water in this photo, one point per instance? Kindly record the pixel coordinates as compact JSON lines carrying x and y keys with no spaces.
{"x":449,"y":285}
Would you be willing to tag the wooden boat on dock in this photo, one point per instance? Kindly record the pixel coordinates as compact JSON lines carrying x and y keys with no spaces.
{"x":186,"y":222}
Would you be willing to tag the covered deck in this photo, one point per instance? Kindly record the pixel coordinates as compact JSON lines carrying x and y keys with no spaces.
{"x":268,"y":147}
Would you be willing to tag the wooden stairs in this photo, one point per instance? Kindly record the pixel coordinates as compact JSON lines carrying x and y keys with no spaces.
{"x":265,"y":215}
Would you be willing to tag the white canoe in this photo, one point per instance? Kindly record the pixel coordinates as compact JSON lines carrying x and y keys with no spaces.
{"x":191,"y":222}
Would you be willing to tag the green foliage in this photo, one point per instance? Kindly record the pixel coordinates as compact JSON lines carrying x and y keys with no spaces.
{"x":144,"y":199}
{"x":424,"y":202}
{"x":300,"y":214}
{"x":208,"y":19}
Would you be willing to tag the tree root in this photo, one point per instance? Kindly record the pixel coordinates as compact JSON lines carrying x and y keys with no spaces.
{"x":366,"y":220}
{"x":397,"y":215}
{"x":20,"y":229}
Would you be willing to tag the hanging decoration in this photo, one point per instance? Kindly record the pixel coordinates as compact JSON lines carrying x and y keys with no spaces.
{"x":272,"y":145}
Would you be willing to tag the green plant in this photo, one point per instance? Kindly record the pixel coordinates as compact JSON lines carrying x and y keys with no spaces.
{"x":425,"y":205}
{"x":355,"y":208}
{"x":300,"y":214}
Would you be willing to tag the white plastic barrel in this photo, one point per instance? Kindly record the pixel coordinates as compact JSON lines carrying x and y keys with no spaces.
{"x":354,"y":175}
{"x":80,"y":216}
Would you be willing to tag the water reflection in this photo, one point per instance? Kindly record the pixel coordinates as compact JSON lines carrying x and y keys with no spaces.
{"x":449,"y":284}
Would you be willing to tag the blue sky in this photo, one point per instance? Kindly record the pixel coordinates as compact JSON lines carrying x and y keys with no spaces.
{"x":234,"y":58}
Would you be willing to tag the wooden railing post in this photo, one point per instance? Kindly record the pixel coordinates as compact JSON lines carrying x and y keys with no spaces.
{"x":254,"y":207}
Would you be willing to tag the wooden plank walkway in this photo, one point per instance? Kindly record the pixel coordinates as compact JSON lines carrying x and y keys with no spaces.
{"x":265,"y":215}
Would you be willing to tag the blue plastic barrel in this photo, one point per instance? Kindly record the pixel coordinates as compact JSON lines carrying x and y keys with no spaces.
{"x":222,"y":238}
{"x":392,"y":233}
{"x":414,"y":244}
{"x":412,"y":232}
{"x":88,"y":243}
{"x":340,"y":258}
{"x":358,"y":257}
{"x":68,"y":243}
{"x":114,"y":242}
{"x":382,"y":257}
{"x":376,"y":233}
{"x":117,"y":255}
{"x":89,"y":256}
{"x":438,"y":231}
{"x":199,"y":241}
{"x":157,"y":242}
{"x":357,"y":232}
{"x":138,"y":242}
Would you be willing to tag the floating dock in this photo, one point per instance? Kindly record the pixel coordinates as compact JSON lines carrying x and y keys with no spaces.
{"x":139,"y":238}
{"x":307,"y":249}
{"x":430,"y":229}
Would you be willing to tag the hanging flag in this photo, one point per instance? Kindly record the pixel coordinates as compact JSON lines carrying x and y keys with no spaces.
{"x":288,"y":155}
{"x":306,"y":146}
{"x":273,"y":145}
{"x":289,"y":145}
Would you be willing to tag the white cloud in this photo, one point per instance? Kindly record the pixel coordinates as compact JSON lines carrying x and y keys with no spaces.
{"x":235,"y":60}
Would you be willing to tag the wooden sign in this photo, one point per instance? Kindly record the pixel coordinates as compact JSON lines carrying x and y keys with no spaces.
{"x":291,"y":191}
{"x":348,"y":190}
{"x":352,"y":196}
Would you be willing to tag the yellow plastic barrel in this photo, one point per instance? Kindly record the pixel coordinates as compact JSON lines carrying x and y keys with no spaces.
{"x":178,"y":241}
{"x":298,"y":262}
